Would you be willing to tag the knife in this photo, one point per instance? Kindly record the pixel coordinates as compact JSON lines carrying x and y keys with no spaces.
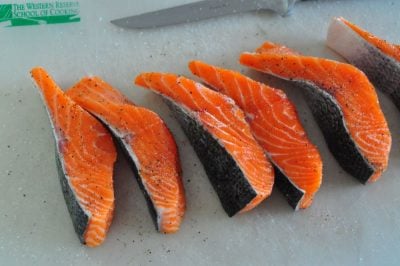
{"x":199,"y":11}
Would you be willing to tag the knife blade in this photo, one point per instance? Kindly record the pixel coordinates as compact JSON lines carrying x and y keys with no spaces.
{"x":199,"y":11}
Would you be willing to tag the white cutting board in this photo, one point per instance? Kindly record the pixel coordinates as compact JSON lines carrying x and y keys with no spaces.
{"x":348,"y":224}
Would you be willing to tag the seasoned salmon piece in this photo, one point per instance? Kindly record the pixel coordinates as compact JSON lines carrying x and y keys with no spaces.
{"x":234,"y":162}
{"x":85,"y":156}
{"x":148,"y":143}
{"x":343,"y":102}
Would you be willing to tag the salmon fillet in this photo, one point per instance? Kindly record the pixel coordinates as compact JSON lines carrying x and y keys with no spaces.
{"x":149,"y":146}
{"x":343,"y":102}
{"x":234,"y":162}
{"x":85,"y":155}
{"x":379,"y":59}
{"x":276,"y":126}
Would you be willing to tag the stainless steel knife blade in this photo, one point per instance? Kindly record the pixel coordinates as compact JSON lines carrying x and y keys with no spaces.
{"x":200,"y":10}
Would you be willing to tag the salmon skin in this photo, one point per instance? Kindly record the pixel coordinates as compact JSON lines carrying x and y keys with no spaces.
{"x":343,"y":102}
{"x":379,"y":59}
{"x":85,"y":156}
{"x":276,"y":126}
{"x":234,"y":162}
{"x":149,"y":146}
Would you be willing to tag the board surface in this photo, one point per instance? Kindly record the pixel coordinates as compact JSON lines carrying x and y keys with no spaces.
{"x":348,"y":224}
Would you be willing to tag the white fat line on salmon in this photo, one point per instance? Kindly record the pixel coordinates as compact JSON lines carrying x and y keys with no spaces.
{"x":271,"y":142}
{"x":200,"y":88}
{"x":283,"y":131}
{"x":58,"y":140}
{"x":279,"y":121}
{"x":238,"y":87}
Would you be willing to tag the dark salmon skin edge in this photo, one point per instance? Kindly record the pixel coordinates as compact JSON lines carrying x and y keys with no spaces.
{"x":292,"y":193}
{"x":79,"y":218}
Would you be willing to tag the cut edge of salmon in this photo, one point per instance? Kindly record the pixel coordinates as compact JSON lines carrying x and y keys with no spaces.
{"x":90,"y":236}
{"x":143,"y":79}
